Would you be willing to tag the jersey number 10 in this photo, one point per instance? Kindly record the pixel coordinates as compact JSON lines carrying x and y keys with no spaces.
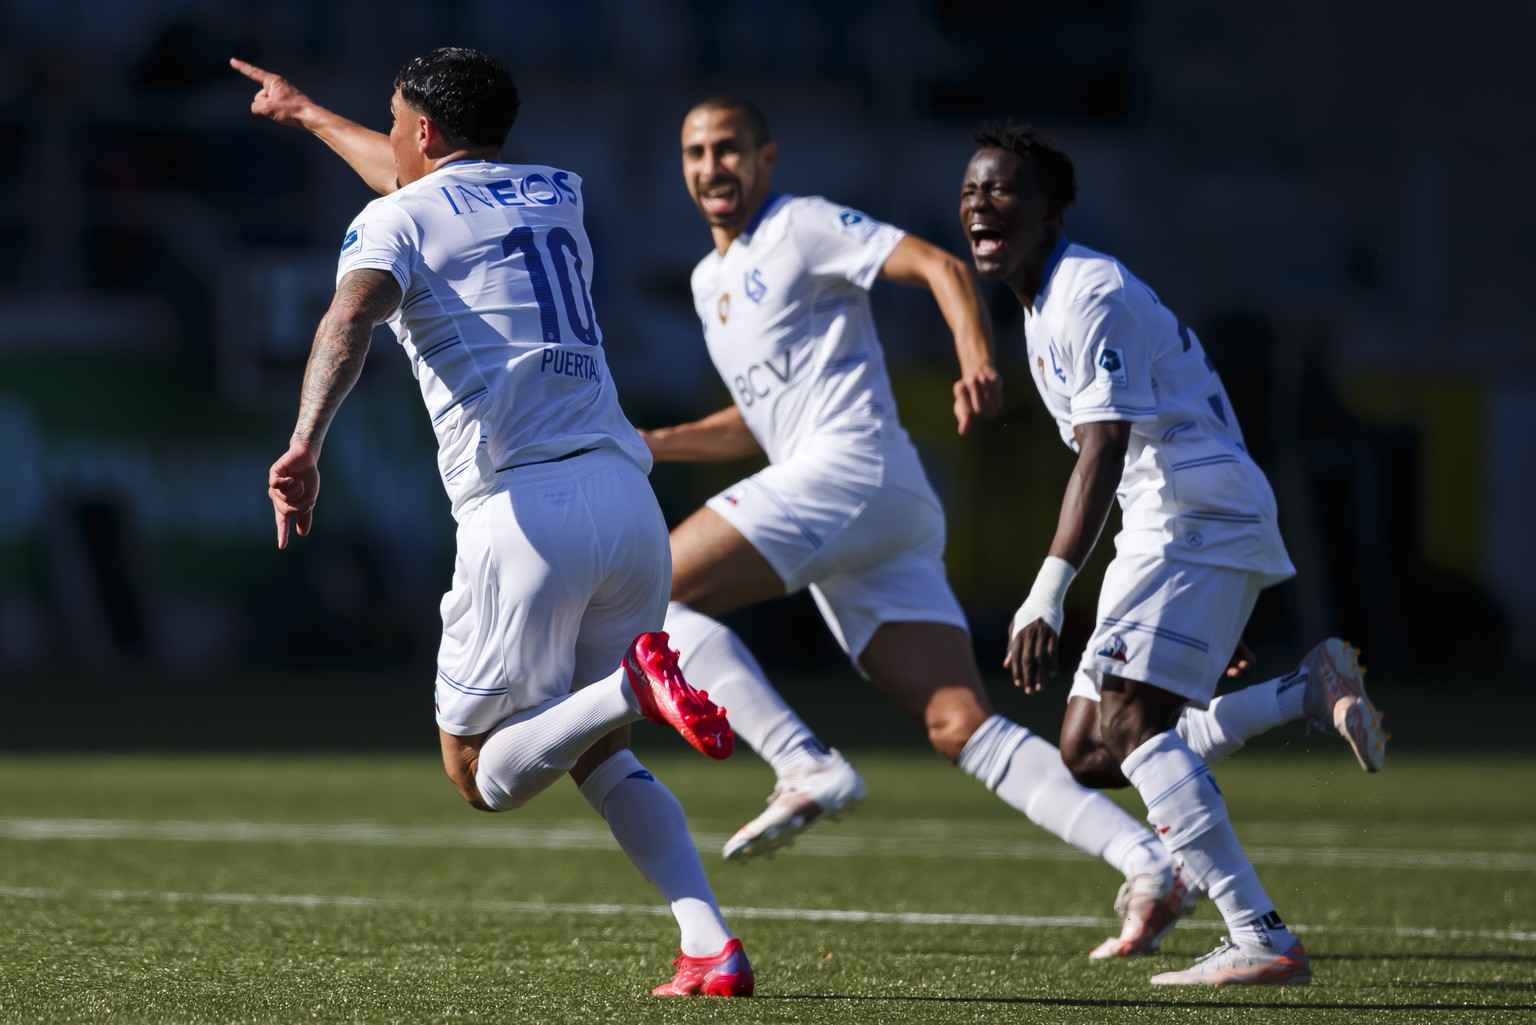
{"x":560,"y":242}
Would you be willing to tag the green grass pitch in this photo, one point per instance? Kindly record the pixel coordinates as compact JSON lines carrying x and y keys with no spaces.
{"x":359,"y":889}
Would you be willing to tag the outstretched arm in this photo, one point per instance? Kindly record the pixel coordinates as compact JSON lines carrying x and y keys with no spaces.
{"x":1085,"y":507}
{"x":915,"y":262}
{"x":364,"y":298}
{"x":719,"y":437}
{"x":367,"y":151}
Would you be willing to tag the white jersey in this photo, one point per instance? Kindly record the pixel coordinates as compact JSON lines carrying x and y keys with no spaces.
{"x":787,"y":319}
{"x":1103,"y":348}
{"x":494,"y":269}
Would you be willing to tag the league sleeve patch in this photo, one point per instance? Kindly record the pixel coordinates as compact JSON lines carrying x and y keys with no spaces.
{"x":856,"y":224}
{"x":1112,"y":368}
{"x":353,"y":242}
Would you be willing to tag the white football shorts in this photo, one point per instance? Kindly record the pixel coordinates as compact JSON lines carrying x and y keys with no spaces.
{"x":556,"y":573}
{"x":1172,"y":624}
{"x":870,"y":553}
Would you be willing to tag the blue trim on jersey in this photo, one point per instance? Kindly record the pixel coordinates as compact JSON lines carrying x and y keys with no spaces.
{"x":762,"y":211}
{"x":1051,"y":263}
{"x":1180,"y":428}
{"x":1159,"y":631}
{"x":1224,"y":517}
{"x":789,"y":514}
{"x":412,"y":300}
{"x":464,"y":688}
{"x":455,"y":471}
{"x":846,"y":362}
{"x":466,"y":400}
{"x":439,"y":347}
{"x":1128,"y":411}
{"x":834,"y":304}
{"x":1189,"y":464}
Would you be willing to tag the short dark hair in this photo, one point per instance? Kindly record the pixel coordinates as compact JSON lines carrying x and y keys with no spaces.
{"x":470,"y":95}
{"x":1058,"y":179}
{"x":757,"y":121}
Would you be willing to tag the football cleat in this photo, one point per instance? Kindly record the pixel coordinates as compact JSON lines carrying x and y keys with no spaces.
{"x":830,"y":788}
{"x":666,"y":698}
{"x":1335,"y":699}
{"x":726,"y":974}
{"x":1149,"y":906}
{"x":1231,"y":965}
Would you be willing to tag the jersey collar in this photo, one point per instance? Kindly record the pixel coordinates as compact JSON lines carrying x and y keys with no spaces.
{"x":1051,"y":263}
{"x":769,"y":202}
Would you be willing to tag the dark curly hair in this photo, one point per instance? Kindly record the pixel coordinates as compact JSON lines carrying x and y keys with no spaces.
{"x":470,"y":95}
{"x":1058,"y":179}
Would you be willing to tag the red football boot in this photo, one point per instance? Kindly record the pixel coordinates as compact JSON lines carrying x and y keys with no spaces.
{"x":666,"y":698}
{"x":726,"y":974}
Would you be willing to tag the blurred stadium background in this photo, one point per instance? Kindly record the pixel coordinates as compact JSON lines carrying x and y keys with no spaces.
{"x":1335,"y":196}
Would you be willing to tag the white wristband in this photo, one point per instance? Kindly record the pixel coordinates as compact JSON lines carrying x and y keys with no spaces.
{"x":1046,"y":597}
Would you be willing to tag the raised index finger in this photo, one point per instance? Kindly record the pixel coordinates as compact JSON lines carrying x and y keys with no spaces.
{"x":251,"y":71}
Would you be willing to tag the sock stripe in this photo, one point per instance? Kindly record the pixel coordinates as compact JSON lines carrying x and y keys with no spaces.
{"x":1153,"y":802}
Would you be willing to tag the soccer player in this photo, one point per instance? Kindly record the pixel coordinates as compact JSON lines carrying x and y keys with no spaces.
{"x":919,"y":643}
{"x":550,"y":643}
{"x":844,"y":508}
{"x":1134,"y":395}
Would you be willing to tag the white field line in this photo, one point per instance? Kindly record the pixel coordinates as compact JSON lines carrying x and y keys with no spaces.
{"x":520,"y":907}
{"x":922,"y":839}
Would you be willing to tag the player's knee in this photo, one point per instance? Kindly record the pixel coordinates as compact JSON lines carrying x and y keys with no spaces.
{"x":489,"y":795}
{"x":1096,"y":770}
{"x":467,"y":788}
{"x":950,"y":728}
{"x":1087,"y":760}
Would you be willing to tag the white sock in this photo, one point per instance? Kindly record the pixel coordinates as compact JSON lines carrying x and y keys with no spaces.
{"x":650,"y":826}
{"x":713,"y":659}
{"x":535,"y":747}
{"x":1026,"y":771}
{"x":1233,"y":719}
{"x":1187,"y":810}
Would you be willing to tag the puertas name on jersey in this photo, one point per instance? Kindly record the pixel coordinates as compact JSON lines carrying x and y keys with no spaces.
{"x":570,"y":364}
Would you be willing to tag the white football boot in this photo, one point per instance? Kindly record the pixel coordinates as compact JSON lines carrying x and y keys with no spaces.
{"x":830,"y":788}
{"x":1231,"y":965}
{"x":1149,"y":905}
{"x":1335,"y":699}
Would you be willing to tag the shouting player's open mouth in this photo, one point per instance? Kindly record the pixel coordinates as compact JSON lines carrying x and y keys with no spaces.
{"x":987,"y":242}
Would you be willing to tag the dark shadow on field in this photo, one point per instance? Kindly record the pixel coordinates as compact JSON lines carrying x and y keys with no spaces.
{"x":1421,"y":958}
{"x":1311,"y":1007}
{"x":1523,"y":987}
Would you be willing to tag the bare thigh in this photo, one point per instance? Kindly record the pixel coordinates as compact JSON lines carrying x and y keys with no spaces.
{"x":929,"y":671}
{"x":1132,"y":713}
{"x":1083,"y":750}
{"x":715,"y":570}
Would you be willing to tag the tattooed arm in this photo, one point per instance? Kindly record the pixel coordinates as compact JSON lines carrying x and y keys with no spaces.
{"x":364,"y":298}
